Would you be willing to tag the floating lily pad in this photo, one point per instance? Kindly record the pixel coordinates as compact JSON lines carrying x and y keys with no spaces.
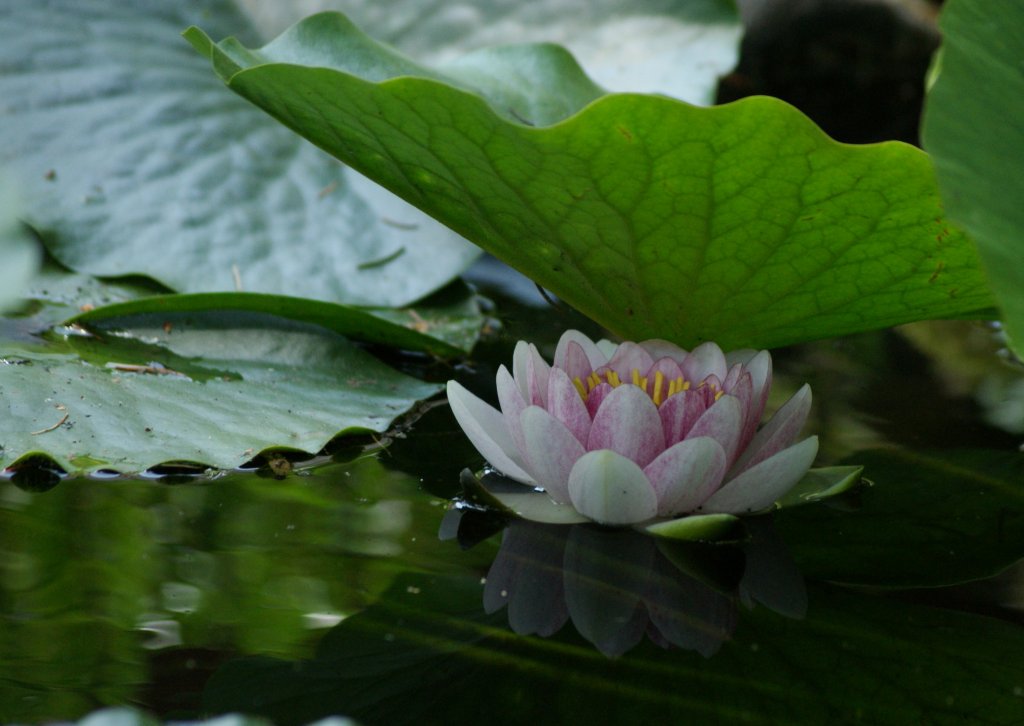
{"x":213,"y":389}
{"x":929,"y":519}
{"x":978,"y":154}
{"x":134,"y":160}
{"x":742,"y":223}
{"x":20,"y":257}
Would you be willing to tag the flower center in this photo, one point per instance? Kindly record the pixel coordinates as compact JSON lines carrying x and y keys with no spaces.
{"x":658,"y":388}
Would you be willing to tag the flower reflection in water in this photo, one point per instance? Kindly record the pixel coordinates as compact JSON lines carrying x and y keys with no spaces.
{"x":617,"y":585}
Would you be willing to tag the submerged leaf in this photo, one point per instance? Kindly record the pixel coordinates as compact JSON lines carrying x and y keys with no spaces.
{"x":743,"y":223}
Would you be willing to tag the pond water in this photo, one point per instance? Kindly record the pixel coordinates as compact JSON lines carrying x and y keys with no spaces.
{"x":345,"y":586}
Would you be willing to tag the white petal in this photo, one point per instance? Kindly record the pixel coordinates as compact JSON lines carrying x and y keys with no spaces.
{"x":686,"y":474}
{"x":611,"y":489}
{"x":607,"y":348}
{"x":778,"y":433}
{"x":628,"y":423}
{"x":760,"y":486}
{"x":628,"y":358}
{"x":594,"y":354}
{"x":551,"y":451}
{"x":487,"y":431}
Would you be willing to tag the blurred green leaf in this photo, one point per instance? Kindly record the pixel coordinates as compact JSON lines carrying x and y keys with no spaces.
{"x":742,"y":223}
{"x":972,"y":130}
{"x":133,"y":160}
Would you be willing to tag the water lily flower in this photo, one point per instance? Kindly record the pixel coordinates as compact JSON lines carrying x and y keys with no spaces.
{"x":635,"y":432}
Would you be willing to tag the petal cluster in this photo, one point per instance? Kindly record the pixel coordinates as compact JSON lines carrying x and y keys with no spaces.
{"x":637,"y":431}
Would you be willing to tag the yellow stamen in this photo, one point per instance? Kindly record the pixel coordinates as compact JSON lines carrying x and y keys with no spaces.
{"x":594,"y":380}
{"x":718,"y":394}
{"x":636,"y":377}
{"x":658,"y":378}
{"x":683,"y":385}
{"x":579,"y":387}
{"x":614,"y":379}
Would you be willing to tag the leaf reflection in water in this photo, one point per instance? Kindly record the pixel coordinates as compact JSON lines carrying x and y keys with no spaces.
{"x":617,"y":585}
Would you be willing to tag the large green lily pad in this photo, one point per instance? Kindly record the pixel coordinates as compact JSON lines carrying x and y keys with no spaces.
{"x":133,"y":160}
{"x":742,"y":223}
{"x":214,"y":389}
{"x":929,"y":519}
{"x":18,"y":256}
{"x":972,"y":130}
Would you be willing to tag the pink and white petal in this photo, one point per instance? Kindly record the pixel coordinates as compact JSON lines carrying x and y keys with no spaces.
{"x":607,"y":348}
{"x":575,"y":363}
{"x":679,"y":413}
{"x":779,"y":432}
{"x":686,"y":474}
{"x":530,"y":371}
{"x":510,"y":398}
{"x":630,"y":357}
{"x":593,"y":353}
{"x":705,"y":360}
{"x":743,"y":389}
{"x":486,"y":429}
{"x":760,"y":486}
{"x":668,"y":368}
{"x":627,"y":422}
{"x":566,"y":405}
{"x":611,"y":489}
{"x":551,"y":451}
{"x":723,"y":421}
{"x":596,"y":397}
{"x":760,"y":369}
{"x":663,"y":349}
{"x":732,"y":378}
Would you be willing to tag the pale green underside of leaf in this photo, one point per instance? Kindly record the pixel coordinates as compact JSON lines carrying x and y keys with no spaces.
{"x":134,"y":160}
{"x":214,"y":388}
{"x":743,"y":224}
{"x":650,"y":46}
{"x":972,"y":129}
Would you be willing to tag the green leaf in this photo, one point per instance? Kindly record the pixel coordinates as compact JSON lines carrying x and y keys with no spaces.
{"x":18,"y":255}
{"x":676,"y":48}
{"x":459,"y":323}
{"x":820,"y":484}
{"x":135,"y":161}
{"x":742,"y":223}
{"x":928,"y":519}
{"x":972,"y":130}
{"x":695,"y":528}
{"x":214,"y":389}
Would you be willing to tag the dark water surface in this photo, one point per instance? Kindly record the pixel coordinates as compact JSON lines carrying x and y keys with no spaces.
{"x":327,"y":589}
